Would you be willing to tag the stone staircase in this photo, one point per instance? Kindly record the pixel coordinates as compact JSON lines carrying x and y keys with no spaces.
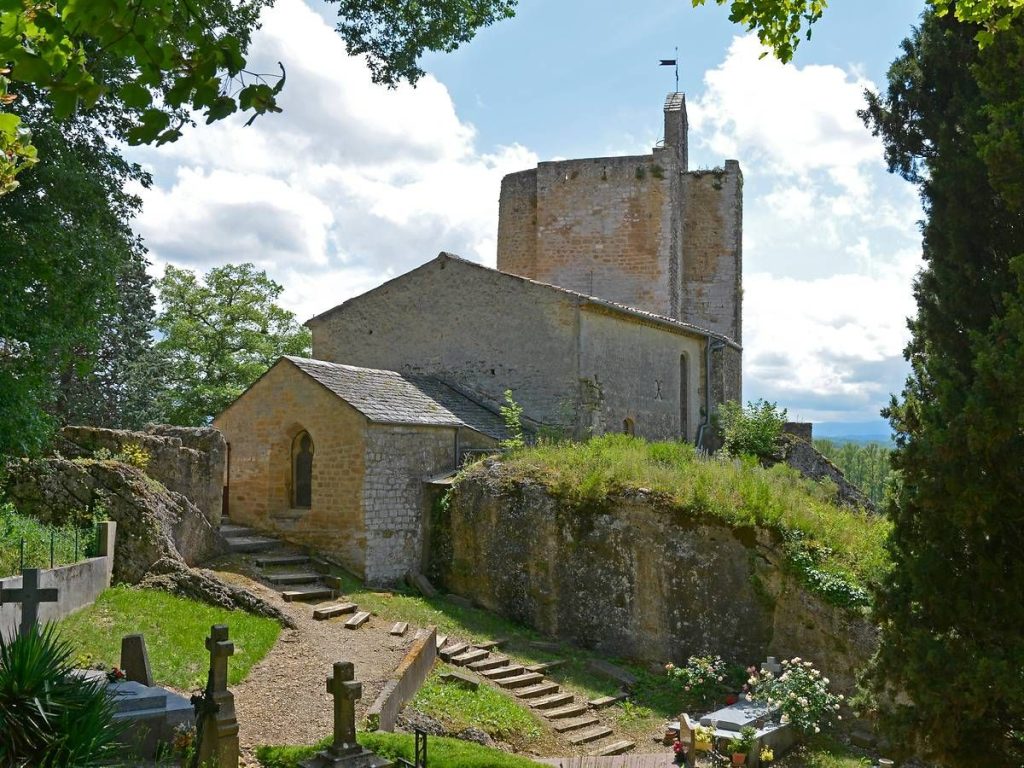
{"x":573,"y":719}
{"x":290,"y":573}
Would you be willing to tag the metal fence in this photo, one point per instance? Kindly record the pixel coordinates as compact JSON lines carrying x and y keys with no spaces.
{"x":46,"y":547}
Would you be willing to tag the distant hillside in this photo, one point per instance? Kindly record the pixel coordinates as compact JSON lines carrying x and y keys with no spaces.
{"x":860,"y":432}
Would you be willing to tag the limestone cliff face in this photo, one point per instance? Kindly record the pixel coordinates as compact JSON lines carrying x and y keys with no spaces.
{"x":636,"y":578}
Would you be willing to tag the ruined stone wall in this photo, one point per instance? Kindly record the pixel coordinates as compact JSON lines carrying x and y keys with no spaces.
{"x":712,"y":250}
{"x":602,"y":226}
{"x":260,"y":428}
{"x":636,"y":578}
{"x":187,"y":460}
{"x":635,"y":371}
{"x":475,"y":327}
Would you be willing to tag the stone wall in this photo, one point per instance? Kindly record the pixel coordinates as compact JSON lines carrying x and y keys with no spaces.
{"x":636,"y":578}
{"x":189,"y":461}
{"x":260,"y":428}
{"x":400,"y":688}
{"x":805,"y":458}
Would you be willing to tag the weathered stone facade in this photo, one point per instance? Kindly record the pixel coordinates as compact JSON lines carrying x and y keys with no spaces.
{"x":636,"y":577}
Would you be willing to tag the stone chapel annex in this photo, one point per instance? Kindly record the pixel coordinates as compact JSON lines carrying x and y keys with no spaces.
{"x":615,"y":307}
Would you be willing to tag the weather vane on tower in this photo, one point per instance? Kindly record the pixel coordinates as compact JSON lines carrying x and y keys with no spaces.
{"x":673,"y":63}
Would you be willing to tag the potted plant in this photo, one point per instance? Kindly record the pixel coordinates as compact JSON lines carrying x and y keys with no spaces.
{"x":702,"y":738}
{"x":740,"y":746}
{"x":767,"y":755}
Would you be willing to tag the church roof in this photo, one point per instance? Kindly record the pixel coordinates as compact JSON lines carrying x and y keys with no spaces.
{"x":389,"y":397}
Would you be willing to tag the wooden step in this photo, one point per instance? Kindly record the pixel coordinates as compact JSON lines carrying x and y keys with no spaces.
{"x":574,"y":724}
{"x":472,"y":655}
{"x":552,"y":701}
{"x":491,"y":644}
{"x":330,"y":611}
{"x":277,"y":561}
{"x":244,"y":544}
{"x":606,"y":701}
{"x":570,"y":710}
{"x":307,"y":593}
{"x":452,"y":649}
{"x":615,"y":748}
{"x":441,"y":640}
{"x":499,"y":672}
{"x":537,"y":691}
{"x":491,"y":662}
{"x":399,"y":628}
{"x":520,"y":681}
{"x":295,"y":577}
{"x":546,"y":666}
{"x":589,"y":735}
{"x":358,"y":620}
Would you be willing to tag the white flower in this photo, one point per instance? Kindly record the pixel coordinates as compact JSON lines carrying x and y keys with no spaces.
{"x":817,"y":729}
{"x":824,"y":680}
{"x":749,"y":697}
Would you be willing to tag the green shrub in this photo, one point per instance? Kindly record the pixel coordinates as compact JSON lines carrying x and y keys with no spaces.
{"x":15,"y":527}
{"x":50,"y":718}
{"x":750,"y":431}
{"x":512,"y":415}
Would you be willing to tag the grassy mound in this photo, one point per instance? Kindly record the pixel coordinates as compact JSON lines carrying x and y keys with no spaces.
{"x":839,"y":552}
{"x":175,"y":629}
{"x":441,"y":752}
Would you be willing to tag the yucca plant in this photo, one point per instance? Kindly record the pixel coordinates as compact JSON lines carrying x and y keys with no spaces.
{"x":50,"y":718}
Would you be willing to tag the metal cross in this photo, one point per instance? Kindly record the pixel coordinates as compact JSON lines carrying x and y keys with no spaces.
{"x":30,"y":596}
{"x":346,"y":693}
{"x":220,"y":649}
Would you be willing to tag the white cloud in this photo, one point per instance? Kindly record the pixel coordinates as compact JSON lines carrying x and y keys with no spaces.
{"x":353,"y":183}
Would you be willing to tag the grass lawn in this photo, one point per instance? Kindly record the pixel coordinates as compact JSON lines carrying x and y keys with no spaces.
{"x":441,"y":752}
{"x":175,"y":631}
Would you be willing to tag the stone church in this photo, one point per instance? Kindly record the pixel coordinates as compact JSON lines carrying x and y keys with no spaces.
{"x":615,"y":307}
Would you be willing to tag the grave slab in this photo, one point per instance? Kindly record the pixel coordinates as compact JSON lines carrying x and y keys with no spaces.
{"x":135,"y":659}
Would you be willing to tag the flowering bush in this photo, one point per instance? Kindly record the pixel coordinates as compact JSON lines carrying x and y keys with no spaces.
{"x":703,"y":678}
{"x":767,"y":754}
{"x":800,"y":692}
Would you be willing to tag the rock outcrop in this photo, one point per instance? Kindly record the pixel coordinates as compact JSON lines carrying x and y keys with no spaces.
{"x":809,"y":462}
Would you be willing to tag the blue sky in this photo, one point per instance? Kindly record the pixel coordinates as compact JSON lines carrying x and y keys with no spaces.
{"x":354,"y":184}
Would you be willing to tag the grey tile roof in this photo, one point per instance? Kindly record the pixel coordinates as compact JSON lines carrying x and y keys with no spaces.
{"x":388,"y":397}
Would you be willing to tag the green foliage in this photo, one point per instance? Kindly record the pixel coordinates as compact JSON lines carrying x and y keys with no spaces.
{"x":801,"y":692}
{"x":848,"y":543}
{"x":15,"y":527}
{"x":512,"y":415}
{"x":810,"y":563}
{"x":703,"y":680}
{"x":750,"y":431}
{"x":174,"y":628}
{"x":780,"y":24}
{"x":485,"y":708}
{"x":221,"y":333}
{"x":48,"y":717}
{"x":868,"y":466}
{"x":744,"y":742}
{"x":950,"y":612}
{"x":443,"y":752}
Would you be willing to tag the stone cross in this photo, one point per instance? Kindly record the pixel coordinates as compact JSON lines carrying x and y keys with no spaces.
{"x":219,"y":744}
{"x":220,"y":649}
{"x":346,"y":693}
{"x":30,"y":596}
{"x":772,"y":666}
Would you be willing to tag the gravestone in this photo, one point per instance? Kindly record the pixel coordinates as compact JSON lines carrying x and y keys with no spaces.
{"x":218,"y":744}
{"x":345,"y":751}
{"x":30,"y":596}
{"x":135,"y":660}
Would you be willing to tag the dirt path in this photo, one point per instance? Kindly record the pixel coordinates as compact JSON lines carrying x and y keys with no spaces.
{"x":284,"y":699}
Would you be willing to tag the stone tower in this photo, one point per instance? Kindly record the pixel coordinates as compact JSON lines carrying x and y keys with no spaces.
{"x":641,"y":230}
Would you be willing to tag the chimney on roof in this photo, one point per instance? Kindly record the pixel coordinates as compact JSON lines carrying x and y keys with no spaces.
{"x":676,"y":126}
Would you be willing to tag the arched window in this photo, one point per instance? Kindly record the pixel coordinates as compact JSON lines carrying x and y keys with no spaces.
{"x":628,"y":427}
{"x":302,"y":471}
{"x":684,"y":388}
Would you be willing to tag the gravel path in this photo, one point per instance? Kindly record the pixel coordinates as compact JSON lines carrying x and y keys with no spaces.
{"x":284,"y":699}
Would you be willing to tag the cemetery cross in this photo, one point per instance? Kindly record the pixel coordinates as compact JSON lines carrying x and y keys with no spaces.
{"x":30,"y":596}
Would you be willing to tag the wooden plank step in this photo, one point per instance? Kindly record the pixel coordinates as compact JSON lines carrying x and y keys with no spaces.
{"x":358,"y":620}
{"x":574,"y":724}
{"x":537,"y":691}
{"x":307,"y":593}
{"x":491,"y":644}
{"x":552,"y":701}
{"x":452,"y":649}
{"x":570,"y":710}
{"x":460,"y":679}
{"x":276,"y":561}
{"x":246,"y":544}
{"x":294,"y":577}
{"x":491,"y":662}
{"x":499,"y":672}
{"x":615,"y":748}
{"x":400,"y":628}
{"x":589,"y":735}
{"x":546,"y":666}
{"x":474,"y":654}
{"x":606,"y":701}
{"x":618,"y":674}
{"x":441,"y":640}
{"x":330,"y":611}
{"x":520,"y":681}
